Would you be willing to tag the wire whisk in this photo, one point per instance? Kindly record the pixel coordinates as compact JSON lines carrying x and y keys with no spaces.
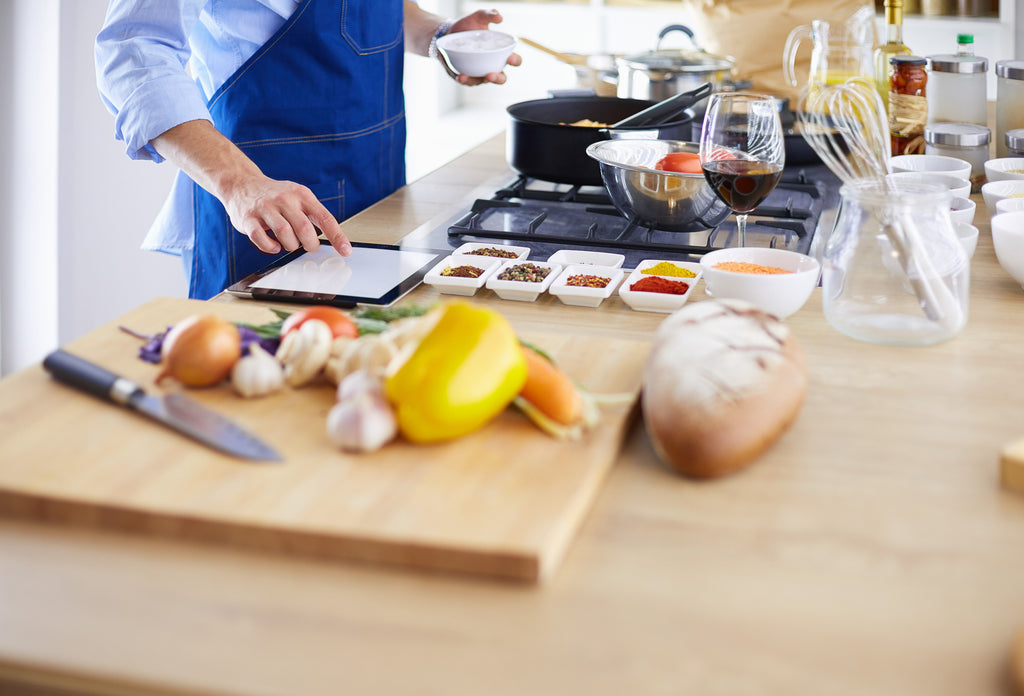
{"x":846,"y":125}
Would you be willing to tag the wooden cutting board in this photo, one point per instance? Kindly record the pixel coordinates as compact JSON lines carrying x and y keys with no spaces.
{"x":503,"y":502}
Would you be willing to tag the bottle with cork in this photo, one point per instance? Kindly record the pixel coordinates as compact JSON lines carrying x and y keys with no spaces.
{"x":893,"y":46}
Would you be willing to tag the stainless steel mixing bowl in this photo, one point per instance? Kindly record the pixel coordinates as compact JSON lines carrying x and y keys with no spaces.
{"x":662,"y":200}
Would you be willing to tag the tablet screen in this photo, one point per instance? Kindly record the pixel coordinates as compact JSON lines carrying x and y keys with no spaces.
{"x":373,"y":274}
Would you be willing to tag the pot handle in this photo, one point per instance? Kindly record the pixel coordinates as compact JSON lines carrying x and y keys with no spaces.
{"x":677,"y":27}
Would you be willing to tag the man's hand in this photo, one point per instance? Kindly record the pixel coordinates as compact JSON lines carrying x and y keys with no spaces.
{"x":281,"y":214}
{"x":482,"y":19}
{"x":274,"y":214}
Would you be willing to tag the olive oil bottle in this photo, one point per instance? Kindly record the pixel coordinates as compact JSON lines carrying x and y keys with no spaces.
{"x":893,"y":46}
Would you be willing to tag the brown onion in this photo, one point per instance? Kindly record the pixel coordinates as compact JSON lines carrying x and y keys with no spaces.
{"x":200,"y":350}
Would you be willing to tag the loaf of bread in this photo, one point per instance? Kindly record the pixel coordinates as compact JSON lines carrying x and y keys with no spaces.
{"x":722,"y":382}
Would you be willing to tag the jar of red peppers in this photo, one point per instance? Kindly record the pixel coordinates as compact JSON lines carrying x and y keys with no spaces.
{"x":908,"y":104}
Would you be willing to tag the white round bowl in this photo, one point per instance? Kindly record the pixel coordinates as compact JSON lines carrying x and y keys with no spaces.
{"x":1008,"y":205}
{"x":477,"y":53}
{"x":958,"y":186}
{"x":1004,"y":168}
{"x":968,"y":236}
{"x":962,"y":210}
{"x":1008,"y":240}
{"x":779,"y":294}
{"x":995,"y":191}
{"x":931,"y":163}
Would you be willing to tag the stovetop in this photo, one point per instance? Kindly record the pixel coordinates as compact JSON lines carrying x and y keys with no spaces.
{"x":547,"y":217}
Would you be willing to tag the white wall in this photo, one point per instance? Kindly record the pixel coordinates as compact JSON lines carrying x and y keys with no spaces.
{"x":73,"y":208}
{"x":28,"y":182}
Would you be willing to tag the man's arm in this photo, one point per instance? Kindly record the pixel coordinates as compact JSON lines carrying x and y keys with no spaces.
{"x":256,"y":204}
{"x":420,"y":27}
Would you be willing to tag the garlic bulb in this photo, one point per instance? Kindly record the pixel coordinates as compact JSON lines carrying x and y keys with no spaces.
{"x":363,"y":420}
{"x":304,"y":352}
{"x":257,"y":374}
{"x":373,"y":352}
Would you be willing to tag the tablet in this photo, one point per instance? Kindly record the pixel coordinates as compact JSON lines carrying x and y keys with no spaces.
{"x":377,"y":274}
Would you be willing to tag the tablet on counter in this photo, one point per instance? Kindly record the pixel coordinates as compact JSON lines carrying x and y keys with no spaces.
{"x":376,"y":274}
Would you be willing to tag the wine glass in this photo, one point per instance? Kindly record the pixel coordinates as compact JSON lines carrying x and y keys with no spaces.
{"x":741,"y":151}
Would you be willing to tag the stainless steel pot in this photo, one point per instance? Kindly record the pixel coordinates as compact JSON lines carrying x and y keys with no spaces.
{"x":661,"y":73}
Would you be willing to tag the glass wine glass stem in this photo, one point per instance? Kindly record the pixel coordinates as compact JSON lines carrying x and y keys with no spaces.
{"x":741,"y":228}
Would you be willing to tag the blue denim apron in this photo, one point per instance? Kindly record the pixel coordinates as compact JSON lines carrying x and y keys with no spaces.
{"x":321,"y":104}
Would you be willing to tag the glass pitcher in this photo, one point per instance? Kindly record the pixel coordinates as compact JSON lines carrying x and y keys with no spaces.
{"x":841,"y":50}
{"x":893,"y":270}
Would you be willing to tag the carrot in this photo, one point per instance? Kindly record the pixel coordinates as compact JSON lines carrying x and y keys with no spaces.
{"x":550,"y":390}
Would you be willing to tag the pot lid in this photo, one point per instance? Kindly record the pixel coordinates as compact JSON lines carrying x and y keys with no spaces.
{"x":692,"y":60}
{"x":679,"y":61}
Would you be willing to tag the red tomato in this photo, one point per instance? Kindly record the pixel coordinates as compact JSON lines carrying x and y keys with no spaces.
{"x":340,"y":323}
{"x":682,"y":162}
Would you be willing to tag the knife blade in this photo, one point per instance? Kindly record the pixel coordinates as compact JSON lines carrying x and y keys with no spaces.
{"x":173,"y":410}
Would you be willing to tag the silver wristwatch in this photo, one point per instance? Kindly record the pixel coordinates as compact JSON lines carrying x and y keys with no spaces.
{"x":442,"y":29}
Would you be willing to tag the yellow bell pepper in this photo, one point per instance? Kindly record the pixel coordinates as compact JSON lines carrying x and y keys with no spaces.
{"x":462,"y":374}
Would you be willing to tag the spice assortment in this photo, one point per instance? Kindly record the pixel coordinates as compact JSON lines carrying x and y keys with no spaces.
{"x":575,"y":277}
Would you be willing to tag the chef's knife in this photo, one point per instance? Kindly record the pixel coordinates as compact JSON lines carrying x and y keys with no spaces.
{"x":174,"y":410}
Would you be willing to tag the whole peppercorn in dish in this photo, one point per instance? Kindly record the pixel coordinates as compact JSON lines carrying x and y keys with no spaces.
{"x":525,"y":272}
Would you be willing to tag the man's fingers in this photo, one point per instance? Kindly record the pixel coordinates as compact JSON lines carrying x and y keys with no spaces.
{"x":256,"y":233}
{"x":332,"y":230}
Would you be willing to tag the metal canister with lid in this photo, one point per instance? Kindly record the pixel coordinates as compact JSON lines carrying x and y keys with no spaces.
{"x":1015,"y":142}
{"x":957,"y":89}
{"x":1009,"y":100}
{"x":966,"y":141}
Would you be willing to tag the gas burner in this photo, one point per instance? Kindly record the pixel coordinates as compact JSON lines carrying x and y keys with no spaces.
{"x":547,"y":217}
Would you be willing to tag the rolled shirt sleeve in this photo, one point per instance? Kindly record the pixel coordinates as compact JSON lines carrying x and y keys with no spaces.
{"x":141,"y":54}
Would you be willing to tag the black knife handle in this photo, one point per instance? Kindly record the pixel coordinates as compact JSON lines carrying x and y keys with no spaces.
{"x":89,"y":377}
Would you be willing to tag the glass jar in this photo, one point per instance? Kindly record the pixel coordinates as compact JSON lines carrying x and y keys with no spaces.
{"x":908,"y":104}
{"x":957,"y":89}
{"x":965,"y":141}
{"x":893,"y":270}
{"x":1009,"y":100}
{"x":1015,"y":142}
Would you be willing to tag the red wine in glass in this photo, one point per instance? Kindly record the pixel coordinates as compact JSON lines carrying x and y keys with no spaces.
{"x":742,"y":184}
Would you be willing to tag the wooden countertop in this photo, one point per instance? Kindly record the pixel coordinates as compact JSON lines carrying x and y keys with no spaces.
{"x":872,"y":551}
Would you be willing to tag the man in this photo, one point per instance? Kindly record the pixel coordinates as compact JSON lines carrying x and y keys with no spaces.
{"x":283,"y":117}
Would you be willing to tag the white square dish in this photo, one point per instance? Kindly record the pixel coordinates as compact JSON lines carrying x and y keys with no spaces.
{"x":585,"y":296}
{"x":462,"y":285}
{"x":571,"y":257}
{"x":521,"y":290}
{"x":469,"y":247}
{"x":645,"y":301}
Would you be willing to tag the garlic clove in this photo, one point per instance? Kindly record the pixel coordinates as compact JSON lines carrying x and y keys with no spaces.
{"x":257,"y":374}
{"x":304,"y":352}
{"x":364,"y":423}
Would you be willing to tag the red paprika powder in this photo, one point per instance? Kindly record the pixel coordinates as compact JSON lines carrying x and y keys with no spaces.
{"x":662,"y":285}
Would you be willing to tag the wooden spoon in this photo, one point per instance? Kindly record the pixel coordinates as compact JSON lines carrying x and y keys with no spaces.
{"x":570,"y":58}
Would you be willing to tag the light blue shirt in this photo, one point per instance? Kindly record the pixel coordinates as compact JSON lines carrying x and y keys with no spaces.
{"x":150,"y":55}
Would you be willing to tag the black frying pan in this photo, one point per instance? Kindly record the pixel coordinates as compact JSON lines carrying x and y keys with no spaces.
{"x":540,"y":144}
